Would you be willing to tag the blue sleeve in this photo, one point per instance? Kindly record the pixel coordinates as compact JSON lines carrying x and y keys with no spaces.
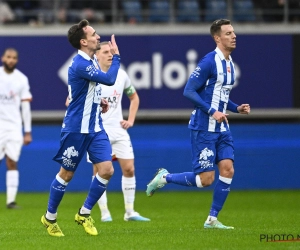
{"x":231,"y":106}
{"x":197,"y":82}
{"x":90,"y":72}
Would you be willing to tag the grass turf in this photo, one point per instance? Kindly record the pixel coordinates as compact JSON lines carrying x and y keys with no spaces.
{"x":176,"y":222}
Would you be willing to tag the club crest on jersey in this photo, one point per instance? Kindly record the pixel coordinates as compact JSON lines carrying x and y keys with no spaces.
{"x":228,"y":69}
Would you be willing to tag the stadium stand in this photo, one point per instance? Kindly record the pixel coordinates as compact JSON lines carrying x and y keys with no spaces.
{"x":215,"y":9}
{"x":132,"y":11}
{"x":188,"y":11}
{"x":159,"y":11}
{"x":36,"y":12}
{"x":243,"y":11}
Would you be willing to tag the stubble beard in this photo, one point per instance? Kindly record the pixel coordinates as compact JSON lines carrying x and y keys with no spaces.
{"x":8,"y":68}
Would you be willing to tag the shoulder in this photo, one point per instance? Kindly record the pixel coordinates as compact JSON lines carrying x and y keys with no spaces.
{"x":208,"y":61}
{"x":122,"y":76}
{"x":80,"y":62}
{"x":209,"y":57}
{"x":122,"y":73}
{"x":20,"y":75}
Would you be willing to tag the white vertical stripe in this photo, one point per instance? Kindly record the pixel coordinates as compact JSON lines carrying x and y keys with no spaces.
{"x":227,"y":73}
{"x":229,"y":87}
{"x":87,"y":108}
{"x":222,"y":127}
{"x":216,"y":96}
{"x":234,"y":75}
{"x":97,"y":126}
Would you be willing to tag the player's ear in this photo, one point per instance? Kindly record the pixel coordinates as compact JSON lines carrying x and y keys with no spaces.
{"x":83,"y":42}
{"x":216,"y":38}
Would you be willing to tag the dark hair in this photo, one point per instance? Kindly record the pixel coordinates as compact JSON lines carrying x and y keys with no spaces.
{"x":76,"y":33}
{"x":215,"y":28}
{"x":10,"y":49}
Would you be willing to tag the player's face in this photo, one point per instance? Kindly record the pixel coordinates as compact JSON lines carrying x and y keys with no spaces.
{"x":92,"y":39}
{"x":227,"y":37}
{"x":104,"y":56}
{"x":10,"y":60}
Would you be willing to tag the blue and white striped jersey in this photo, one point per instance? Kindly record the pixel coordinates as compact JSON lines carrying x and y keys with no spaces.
{"x":208,"y":88}
{"x":84,"y":79}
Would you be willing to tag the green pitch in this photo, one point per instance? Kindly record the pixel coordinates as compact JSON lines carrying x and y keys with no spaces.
{"x":176,"y":222}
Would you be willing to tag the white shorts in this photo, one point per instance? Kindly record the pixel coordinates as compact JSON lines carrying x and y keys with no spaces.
{"x":120,"y":143}
{"x":11,"y":143}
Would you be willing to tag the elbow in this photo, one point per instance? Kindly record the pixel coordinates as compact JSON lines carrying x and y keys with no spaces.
{"x":187,"y":93}
{"x":110,"y":81}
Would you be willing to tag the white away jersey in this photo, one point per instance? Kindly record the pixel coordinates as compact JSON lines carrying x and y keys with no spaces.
{"x":14,"y":88}
{"x":113,"y":94}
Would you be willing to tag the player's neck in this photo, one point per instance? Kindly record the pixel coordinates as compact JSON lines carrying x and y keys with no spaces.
{"x":104,"y":68}
{"x":225,"y":52}
{"x":90,"y":53}
{"x":7,"y":71}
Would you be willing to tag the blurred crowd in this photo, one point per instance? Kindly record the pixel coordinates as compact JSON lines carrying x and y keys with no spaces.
{"x":147,"y":11}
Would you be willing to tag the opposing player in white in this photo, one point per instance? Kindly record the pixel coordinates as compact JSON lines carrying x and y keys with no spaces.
{"x":14,"y":94}
{"x":116,"y":129}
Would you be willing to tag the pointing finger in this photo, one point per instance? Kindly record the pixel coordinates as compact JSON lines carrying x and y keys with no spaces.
{"x":113,"y":40}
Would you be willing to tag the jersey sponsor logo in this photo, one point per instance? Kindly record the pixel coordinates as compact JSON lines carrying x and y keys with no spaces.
{"x":7,"y":98}
{"x":97,"y":93}
{"x":225,"y":94}
{"x":68,"y":153}
{"x":113,"y":99}
{"x":203,"y":158}
{"x":196,"y":72}
{"x":91,"y":69}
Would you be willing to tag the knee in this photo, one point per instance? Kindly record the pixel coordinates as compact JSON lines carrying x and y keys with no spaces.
{"x":227,"y":172}
{"x":107,"y":172}
{"x":128,"y":172}
{"x":66,"y":175}
{"x":11,"y":165}
{"x":207,"y":179}
{"x":110,"y":171}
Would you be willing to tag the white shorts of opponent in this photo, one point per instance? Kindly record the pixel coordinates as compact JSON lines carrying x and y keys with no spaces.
{"x":11,"y":142}
{"x":120,"y":143}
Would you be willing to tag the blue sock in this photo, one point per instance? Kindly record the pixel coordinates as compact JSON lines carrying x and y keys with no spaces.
{"x":221,"y":192}
{"x":97,"y":188}
{"x":57,"y":191}
{"x":184,"y":179}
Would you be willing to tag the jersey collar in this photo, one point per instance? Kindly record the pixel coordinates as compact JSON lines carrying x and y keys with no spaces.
{"x":84,"y":55}
{"x":220,"y":54}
